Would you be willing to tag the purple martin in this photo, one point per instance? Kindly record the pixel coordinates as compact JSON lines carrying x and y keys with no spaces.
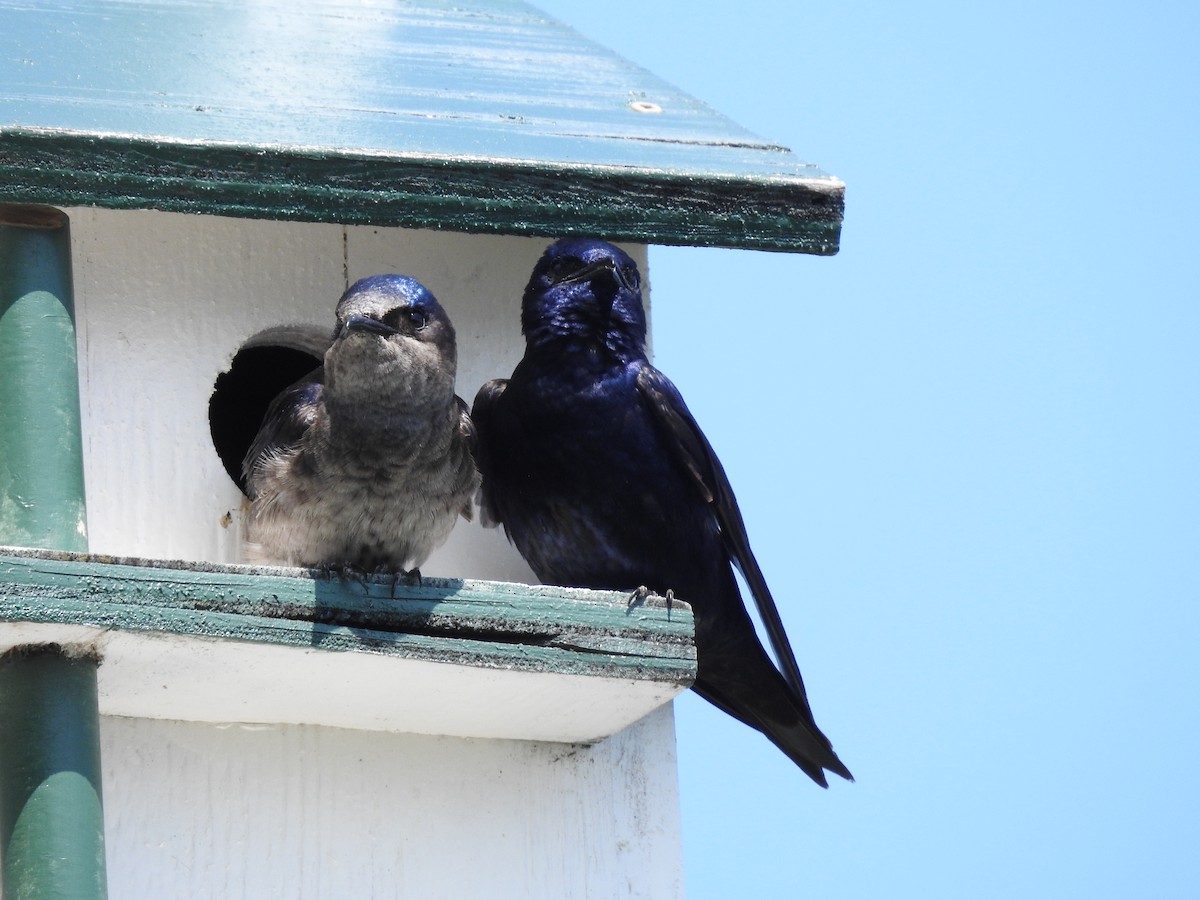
{"x":602,"y":479}
{"x":368,"y":462}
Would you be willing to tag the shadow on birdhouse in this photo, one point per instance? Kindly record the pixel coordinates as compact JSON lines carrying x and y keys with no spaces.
{"x":262,"y":367}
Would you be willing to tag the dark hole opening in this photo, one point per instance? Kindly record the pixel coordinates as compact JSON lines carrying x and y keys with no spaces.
{"x":241,"y":396}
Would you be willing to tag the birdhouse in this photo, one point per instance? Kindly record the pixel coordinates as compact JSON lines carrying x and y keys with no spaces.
{"x":187,"y":190}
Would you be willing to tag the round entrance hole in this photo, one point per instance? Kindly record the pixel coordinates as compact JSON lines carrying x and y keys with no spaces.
{"x":263,"y":366}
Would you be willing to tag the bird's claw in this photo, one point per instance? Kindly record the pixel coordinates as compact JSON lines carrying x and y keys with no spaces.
{"x":343,"y":571}
{"x":394,"y":574}
{"x":346,"y":571}
{"x":638,"y":597}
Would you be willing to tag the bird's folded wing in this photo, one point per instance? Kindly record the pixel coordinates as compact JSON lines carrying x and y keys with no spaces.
{"x":695,"y":454}
{"x":481,"y":416}
{"x":287,"y":418}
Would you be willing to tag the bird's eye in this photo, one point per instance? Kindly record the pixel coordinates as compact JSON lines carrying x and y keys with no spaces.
{"x":629,"y":275}
{"x":407,"y":318}
{"x":561,"y":269}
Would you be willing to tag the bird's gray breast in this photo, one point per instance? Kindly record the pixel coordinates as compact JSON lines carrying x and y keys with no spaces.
{"x":385,"y":503}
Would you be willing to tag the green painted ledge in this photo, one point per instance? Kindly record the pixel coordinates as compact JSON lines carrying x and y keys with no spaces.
{"x":261,"y":644}
{"x":476,"y":116}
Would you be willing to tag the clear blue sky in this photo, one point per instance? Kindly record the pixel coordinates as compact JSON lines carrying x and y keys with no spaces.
{"x":974,"y":486}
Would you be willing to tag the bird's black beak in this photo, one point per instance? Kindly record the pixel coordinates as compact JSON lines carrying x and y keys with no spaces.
{"x":366,"y":323}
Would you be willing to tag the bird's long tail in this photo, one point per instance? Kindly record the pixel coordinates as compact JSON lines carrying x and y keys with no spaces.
{"x":737,"y":676}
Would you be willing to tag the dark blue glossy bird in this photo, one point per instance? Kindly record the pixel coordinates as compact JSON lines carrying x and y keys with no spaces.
{"x":602,"y":479}
{"x":368,"y":462}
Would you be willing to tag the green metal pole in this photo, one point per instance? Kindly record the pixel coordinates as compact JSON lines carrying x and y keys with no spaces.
{"x":41,"y":447}
{"x":51,"y":818}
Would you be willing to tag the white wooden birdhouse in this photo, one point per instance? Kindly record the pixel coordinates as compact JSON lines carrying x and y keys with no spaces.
{"x":227,"y":169}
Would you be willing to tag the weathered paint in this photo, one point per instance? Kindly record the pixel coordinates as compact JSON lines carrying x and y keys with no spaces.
{"x":483,"y":116}
{"x":229,"y":643}
{"x":499,"y":625}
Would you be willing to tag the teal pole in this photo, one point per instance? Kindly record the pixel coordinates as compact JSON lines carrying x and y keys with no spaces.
{"x":51,"y":818}
{"x":41,"y":446}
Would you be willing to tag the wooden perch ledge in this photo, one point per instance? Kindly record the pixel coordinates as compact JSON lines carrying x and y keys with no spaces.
{"x":220,"y":643}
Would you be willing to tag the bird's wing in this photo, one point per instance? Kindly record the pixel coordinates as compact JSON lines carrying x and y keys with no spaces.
{"x":693,"y":451}
{"x":290,"y":414}
{"x":466,"y":430}
{"x":482,"y":414}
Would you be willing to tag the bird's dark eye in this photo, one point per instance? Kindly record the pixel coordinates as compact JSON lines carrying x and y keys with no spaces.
{"x":629,"y":276}
{"x":561,"y":268}
{"x":407,"y":318}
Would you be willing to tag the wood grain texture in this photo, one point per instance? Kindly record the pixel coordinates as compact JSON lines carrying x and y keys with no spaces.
{"x":210,"y":811}
{"x":479,"y":117}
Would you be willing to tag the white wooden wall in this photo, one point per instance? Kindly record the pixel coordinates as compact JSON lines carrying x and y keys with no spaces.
{"x":200,"y":811}
{"x":163,"y":303}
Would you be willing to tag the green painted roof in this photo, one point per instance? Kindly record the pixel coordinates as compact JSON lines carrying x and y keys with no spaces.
{"x":479,"y":116}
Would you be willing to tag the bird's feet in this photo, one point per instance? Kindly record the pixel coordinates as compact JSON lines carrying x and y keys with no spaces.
{"x":345,"y":571}
{"x":348,"y":571}
{"x":638,"y":597}
{"x":411,"y":577}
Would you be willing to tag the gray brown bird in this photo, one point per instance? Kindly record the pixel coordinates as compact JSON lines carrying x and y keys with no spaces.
{"x":368,"y":462}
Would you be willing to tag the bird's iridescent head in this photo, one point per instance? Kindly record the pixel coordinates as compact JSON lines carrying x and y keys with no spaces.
{"x":389,"y":327}
{"x":585,"y":290}
{"x":391,"y":304}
